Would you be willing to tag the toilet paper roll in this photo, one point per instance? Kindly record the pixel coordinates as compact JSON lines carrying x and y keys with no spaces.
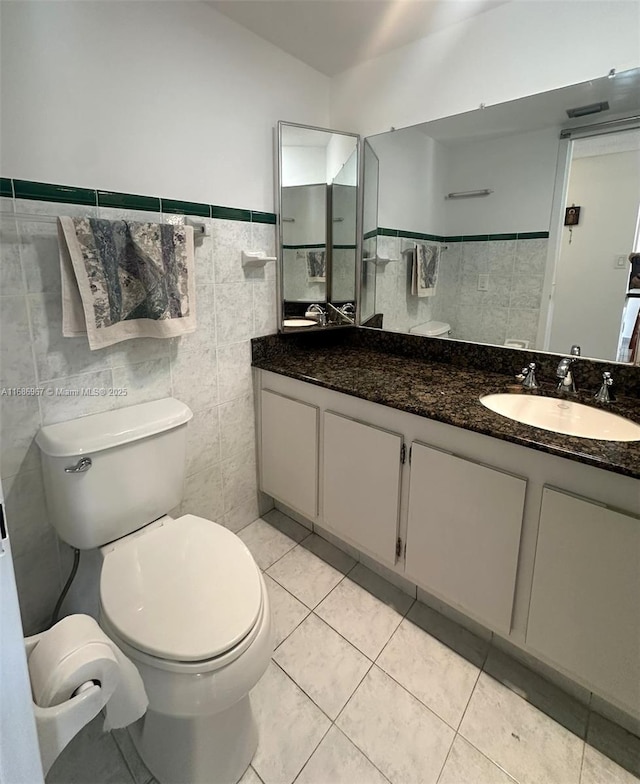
{"x":71,"y":653}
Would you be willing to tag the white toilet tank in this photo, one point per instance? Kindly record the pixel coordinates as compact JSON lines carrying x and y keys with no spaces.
{"x":136,"y":473}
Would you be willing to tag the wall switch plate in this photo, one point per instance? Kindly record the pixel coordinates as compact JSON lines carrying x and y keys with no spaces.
{"x":483,"y":283}
{"x":620,"y":261}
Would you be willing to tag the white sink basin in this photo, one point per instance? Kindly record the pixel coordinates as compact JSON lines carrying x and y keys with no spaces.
{"x":563,"y":416}
{"x":299,"y":322}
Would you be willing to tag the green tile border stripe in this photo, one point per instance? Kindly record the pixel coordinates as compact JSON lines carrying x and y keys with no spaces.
{"x":418,"y":235}
{"x":263,"y":217}
{"x":6,"y":187}
{"x":128,"y":201}
{"x":43,"y":191}
{"x":177,"y":207}
{"x":231,"y":213}
{"x":534,"y":235}
{"x":302,"y":247}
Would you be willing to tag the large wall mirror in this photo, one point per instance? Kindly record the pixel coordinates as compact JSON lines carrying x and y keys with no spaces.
{"x":511,"y":225}
{"x":318,"y":227}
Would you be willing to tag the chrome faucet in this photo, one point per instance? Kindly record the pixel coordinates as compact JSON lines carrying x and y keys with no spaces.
{"x":604,"y":394}
{"x":317,"y":313}
{"x":528,"y":376}
{"x":564,"y":373}
{"x":346,"y":312}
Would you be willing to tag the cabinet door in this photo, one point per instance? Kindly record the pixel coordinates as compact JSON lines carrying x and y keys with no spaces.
{"x":585,"y":611}
{"x":463,"y":533}
{"x":289,"y":452}
{"x":361,"y":487}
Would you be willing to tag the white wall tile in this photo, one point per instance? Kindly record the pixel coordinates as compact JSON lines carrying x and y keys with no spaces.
{"x":204,"y":336}
{"x":194,"y":377}
{"x":234,"y":312}
{"x":242,"y":515}
{"x":132,"y":352}
{"x":229,"y":238}
{"x":234,"y":371}
{"x":57,"y":356}
{"x":265,"y":308}
{"x":39,"y":584}
{"x":40,"y":255}
{"x":144,"y":382}
{"x":237,"y":426}
{"x":203,"y":440}
{"x":75,"y":396}
{"x":10,"y":268}
{"x":239,"y":478}
{"x":16,"y":358}
{"x":19,"y":423}
{"x":27,"y":517}
{"x":203,"y":494}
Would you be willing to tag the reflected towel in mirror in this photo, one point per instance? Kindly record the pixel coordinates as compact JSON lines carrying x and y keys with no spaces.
{"x":424,"y":269}
{"x":316,"y":266}
{"x":123,"y":280}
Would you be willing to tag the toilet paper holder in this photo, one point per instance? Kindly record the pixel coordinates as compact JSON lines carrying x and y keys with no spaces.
{"x":57,"y":725}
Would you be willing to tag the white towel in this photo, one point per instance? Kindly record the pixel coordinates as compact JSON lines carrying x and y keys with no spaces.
{"x":123,"y":280}
{"x":424,"y":269}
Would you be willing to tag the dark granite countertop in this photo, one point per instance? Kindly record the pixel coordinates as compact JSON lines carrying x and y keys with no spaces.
{"x":449,"y":394}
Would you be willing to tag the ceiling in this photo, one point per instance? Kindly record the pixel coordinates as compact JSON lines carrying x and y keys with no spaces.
{"x":333,"y":35}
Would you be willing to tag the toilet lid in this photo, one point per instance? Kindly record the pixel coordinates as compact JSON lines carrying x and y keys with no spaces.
{"x":188,"y":590}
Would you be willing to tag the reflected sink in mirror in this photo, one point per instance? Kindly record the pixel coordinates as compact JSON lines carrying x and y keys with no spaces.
{"x":563,"y":416}
{"x":299,"y":322}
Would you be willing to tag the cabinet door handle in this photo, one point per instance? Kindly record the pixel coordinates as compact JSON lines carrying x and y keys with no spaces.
{"x":84,"y":464}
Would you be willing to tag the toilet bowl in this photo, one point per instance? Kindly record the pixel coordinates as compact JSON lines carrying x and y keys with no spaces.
{"x":182,"y":598}
{"x":431,"y":329}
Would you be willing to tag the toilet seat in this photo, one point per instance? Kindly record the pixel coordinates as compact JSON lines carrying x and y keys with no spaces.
{"x":185,"y":591}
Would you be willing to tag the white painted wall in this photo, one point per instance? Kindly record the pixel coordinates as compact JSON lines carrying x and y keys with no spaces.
{"x":519,"y":48}
{"x":302,"y":165}
{"x":160,"y":98}
{"x":411,"y":181}
{"x":590,"y":293}
{"x":519,"y":169}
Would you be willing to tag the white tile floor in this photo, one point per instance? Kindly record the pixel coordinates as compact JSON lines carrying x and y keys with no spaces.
{"x":368,"y":686}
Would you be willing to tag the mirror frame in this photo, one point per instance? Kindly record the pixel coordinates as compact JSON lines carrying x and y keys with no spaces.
{"x":328,"y":233}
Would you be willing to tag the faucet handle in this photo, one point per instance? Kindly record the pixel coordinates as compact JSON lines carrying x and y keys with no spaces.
{"x":604,"y":394}
{"x":575,"y":350}
{"x":528,"y":376}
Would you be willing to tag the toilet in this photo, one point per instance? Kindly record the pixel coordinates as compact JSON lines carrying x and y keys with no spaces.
{"x":182,"y":597}
{"x":431,"y":329}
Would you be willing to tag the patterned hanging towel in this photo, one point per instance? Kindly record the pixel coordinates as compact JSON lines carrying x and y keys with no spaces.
{"x":424,"y":270}
{"x":123,"y":280}
{"x":316,"y":266}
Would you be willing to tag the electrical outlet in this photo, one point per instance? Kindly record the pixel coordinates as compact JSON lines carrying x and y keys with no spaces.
{"x":620,"y":261}
{"x":483,"y":283}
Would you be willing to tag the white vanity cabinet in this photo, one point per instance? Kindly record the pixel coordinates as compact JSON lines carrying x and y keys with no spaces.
{"x":585,"y":603}
{"x":463,"y":534}
{"x":289,"y":451}
{"x":361,"y":484}
{"x":479,"y":530}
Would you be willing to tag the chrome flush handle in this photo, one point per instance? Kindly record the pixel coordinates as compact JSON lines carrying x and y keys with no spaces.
{"x":84,"y":464}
